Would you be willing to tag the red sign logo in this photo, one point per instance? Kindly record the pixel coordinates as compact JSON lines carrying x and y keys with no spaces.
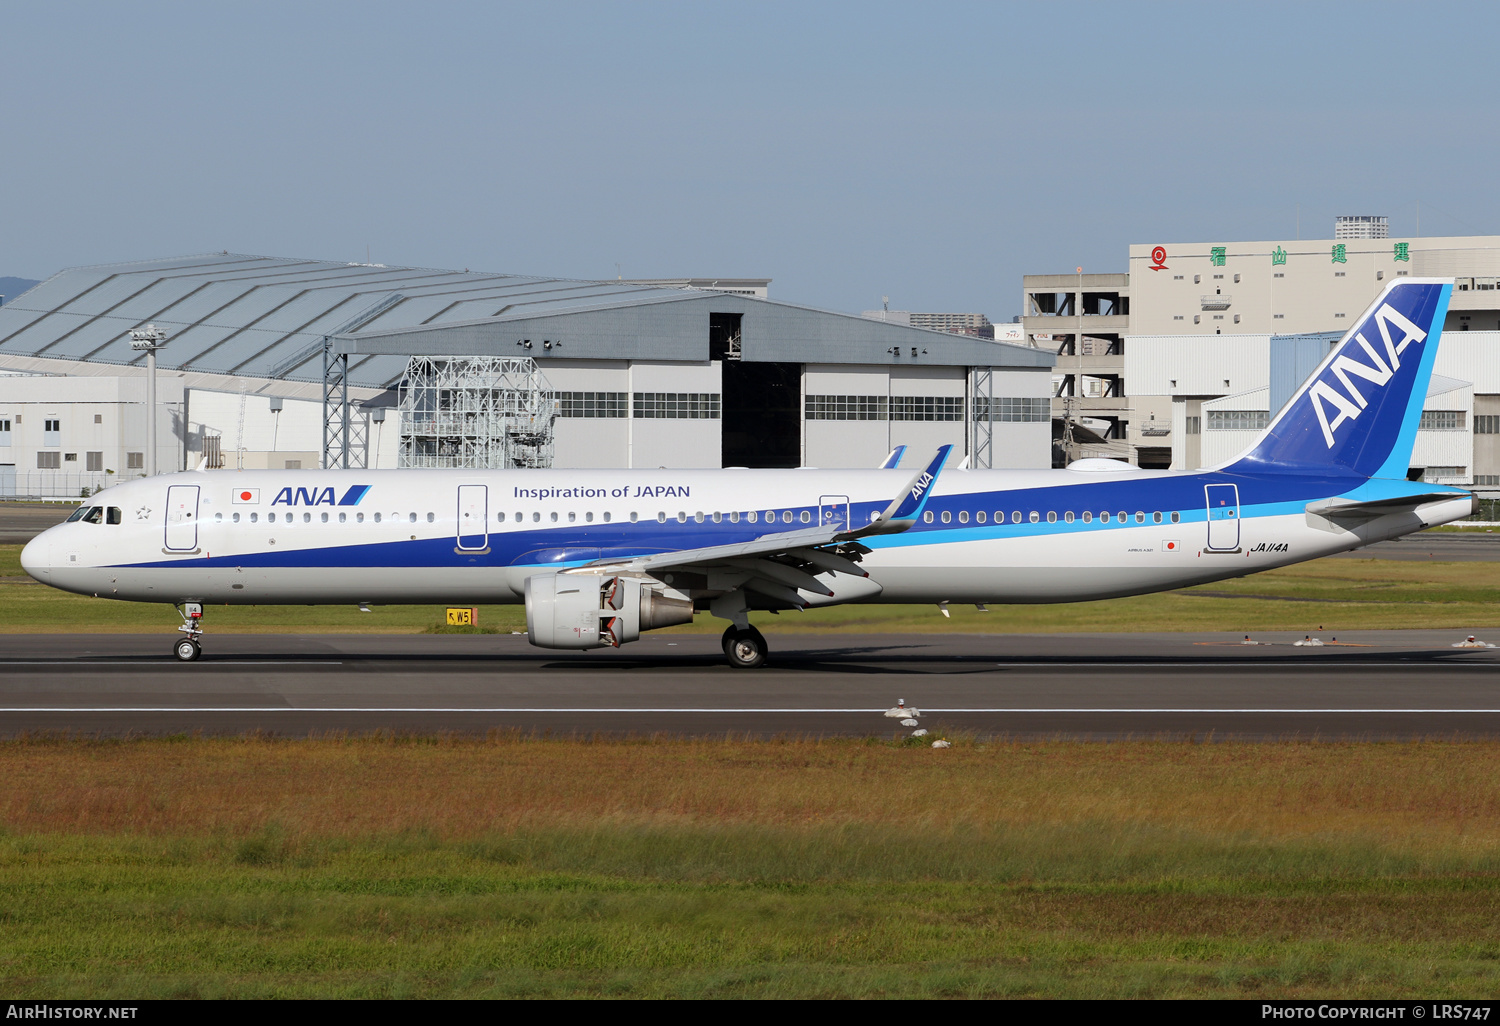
{"x":1158,"y":258}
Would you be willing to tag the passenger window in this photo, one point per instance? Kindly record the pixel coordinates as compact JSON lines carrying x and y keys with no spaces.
{"x":1015,"y":517}
{"x":411,"y":518}
{"x":1104,"y":517}
{"x":1088,"y":518}
{"x":499,"y":518}
{"x":1051,"y":516}
{"x":254,"y":517}
{"x":323,"y":517}
{"x":751,"y":516}
{"x":553,"y":516}
{"x":588,"y":518}
{"x":377,"y":518}
{"x":718,"y":517}
{"x":1123,"y":516}
{"x":979,"y":517}
{"x":536,"y":518}
{"x":661,"y":518}
{"x":1140,"y":517}
{"x":572,"y":517}
{"x":606,"y":516}
{"x":343,"y":518}
{"x":116,"y":516}
{"x":963,"y":516}
{"x":927,"y":517}
{"x":1068,"y":517}
{"x":271,"y":517}
{"x":681,"y":517}
{"x":236,"y":517}
{"x":734,"y":517}
{"x":634,"y":516}
{"x":430,"y":518}
{"x":1035,"y":517}
{"x":359,"y":518}
{"x":806,"y":516}
{"x":1176,"y":516}
{"x":947,"y":517}
{"x":698,"y":517}
{"x":786,"y":516}
{"x":218,"y":518}
{"x":1156,"y":517}
{"x":307,"y":518}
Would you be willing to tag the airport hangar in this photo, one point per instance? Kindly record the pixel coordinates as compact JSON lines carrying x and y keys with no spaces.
{"x":264,"y":353}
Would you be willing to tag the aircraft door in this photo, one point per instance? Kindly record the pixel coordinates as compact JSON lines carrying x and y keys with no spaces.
{"x":182,"y":518}
{"x":833,"y":510}
{"x":473,"y":518}
{"x":1223,"y":517}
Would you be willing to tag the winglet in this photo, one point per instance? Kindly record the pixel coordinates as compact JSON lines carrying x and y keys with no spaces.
{"x":906,"y":507}
{"x":894,"y":459}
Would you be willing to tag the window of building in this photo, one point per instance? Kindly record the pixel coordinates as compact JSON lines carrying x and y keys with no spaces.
{"x":927,"y":407}
{"x":1238,"y":420}
{"x":1197,"y":318}
{"x":1279,"y":274}
{"x":1487,"y":424}
{"x":70,"y":457}
{"x":1338,"y":274}
{"x":1177,"y":317}
{"x":1442,"y":420}
{"x":845,"y":407}
{"x":1176,"y":277}
{"x":1026,"y":410}
{"x":93,"y":461}
{"x":676,"y":405}
{"x":49,"y":461}
{"x":599,"y":405}
{"x":1487,"y":479}
{"x":51,"y":424}
{"x":1445,"y":473}
{"x":1277,"y":317}
{"x":1194,"y":425}
{"x":135,"y":461}
{"x":1337,"y":315}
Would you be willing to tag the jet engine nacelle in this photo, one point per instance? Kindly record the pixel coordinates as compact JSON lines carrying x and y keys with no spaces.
{"x":597,"y":610}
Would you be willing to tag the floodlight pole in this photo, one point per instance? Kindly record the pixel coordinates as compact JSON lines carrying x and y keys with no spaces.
{"x":149,"y":340}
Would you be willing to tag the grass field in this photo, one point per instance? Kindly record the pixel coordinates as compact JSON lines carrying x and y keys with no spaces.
{"x":1336,"y":594}
{"x":518,"y":866}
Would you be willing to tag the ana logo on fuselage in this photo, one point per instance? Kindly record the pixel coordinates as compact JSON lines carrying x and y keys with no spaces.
{"x":319,"y":497}
{"x":1348,"y":404}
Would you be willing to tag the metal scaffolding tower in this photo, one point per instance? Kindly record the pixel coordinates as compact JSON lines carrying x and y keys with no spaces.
{"x":475,"y":412}
{"x":346,"y":433}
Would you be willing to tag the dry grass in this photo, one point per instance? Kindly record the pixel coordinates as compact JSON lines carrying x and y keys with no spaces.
{"x":518,"y":866}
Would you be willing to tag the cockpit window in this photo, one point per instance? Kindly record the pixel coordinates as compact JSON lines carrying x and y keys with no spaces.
{"x":115,"y":515}
{"x":94,"y":515}
{"x":78,"y":514}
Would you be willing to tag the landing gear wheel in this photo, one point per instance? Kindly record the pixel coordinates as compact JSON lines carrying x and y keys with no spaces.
{"x":187,"y":650}
{"x":745,"y":649}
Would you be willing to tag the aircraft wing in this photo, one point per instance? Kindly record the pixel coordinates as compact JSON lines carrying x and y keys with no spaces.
{"x":781,"y":563}
{"x":1353,"y":508}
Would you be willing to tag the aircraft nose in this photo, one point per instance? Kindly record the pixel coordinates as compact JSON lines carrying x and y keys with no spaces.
{"x":36,"y":557}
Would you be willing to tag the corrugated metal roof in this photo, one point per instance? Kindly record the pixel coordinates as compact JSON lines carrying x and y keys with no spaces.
{"x":255,"y":315}
{"x":266,"y":317}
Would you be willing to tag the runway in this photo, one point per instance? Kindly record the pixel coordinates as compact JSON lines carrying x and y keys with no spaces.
{"x":1387,"y":684}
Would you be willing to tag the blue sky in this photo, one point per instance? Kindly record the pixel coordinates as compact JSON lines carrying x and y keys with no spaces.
{"x":930,"y":152}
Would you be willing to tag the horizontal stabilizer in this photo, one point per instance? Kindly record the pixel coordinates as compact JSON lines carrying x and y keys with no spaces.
{"x":1353,"y":508}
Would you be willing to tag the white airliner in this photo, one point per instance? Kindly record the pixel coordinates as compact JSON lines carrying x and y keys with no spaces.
{"x":598,"y":556}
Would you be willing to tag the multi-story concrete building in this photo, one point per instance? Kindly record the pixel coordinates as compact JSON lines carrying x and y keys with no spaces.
{"x":1176,"y":356}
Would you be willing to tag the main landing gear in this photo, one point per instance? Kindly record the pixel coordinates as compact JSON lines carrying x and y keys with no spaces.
{"x":187,"y":649}
{"x":744,"y":647}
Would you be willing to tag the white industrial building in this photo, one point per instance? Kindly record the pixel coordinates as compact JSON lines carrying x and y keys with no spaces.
{"x":296,"y":364}
{"x":1173,"y":363}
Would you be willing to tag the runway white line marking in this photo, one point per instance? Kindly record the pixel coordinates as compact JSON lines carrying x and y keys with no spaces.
{"x":539,"y":709}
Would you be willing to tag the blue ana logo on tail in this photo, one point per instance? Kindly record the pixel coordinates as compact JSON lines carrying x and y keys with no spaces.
{"x":1358,"y":412}
{"x":1348,"y":404}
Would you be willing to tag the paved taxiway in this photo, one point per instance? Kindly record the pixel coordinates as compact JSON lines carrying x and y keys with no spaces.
{"x":1377,"y":683}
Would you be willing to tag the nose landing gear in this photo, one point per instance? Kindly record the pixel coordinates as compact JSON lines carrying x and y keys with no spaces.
{"x":187,"y":649}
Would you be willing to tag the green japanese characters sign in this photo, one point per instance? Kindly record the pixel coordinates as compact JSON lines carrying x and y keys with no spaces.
{"x":1401,"y":253}
{"x":1278,"y":257}
{"x":1216,"y":255}
{"x":1339,"y":255}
